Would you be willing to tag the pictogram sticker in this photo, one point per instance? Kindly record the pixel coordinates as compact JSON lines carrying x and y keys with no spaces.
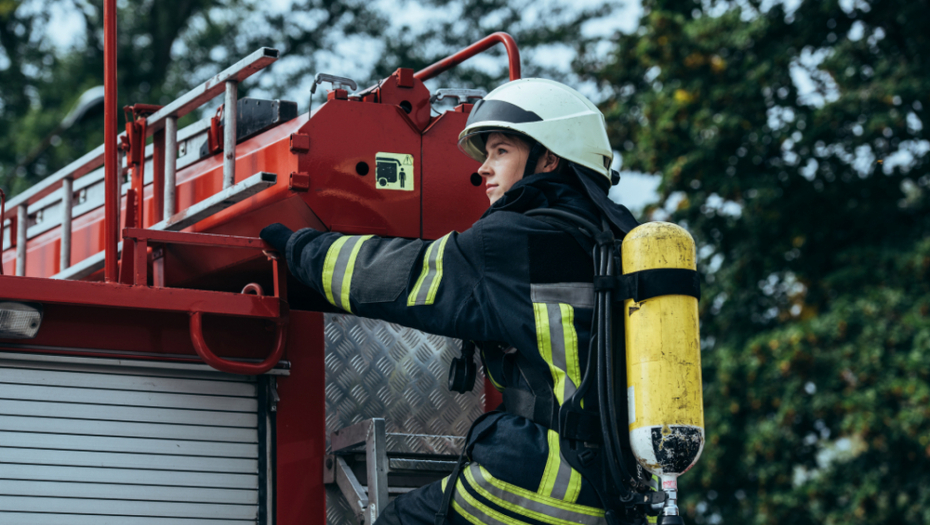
{"x":394,"y":171}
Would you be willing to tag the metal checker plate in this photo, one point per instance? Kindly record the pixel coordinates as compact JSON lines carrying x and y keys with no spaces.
{"x":378,"y":369}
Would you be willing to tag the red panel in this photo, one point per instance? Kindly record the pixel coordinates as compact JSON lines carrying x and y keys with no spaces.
{"x":450,"y":200}
{"x":343,"y":134}
{"x":301,"y":426}
{"x":89,"y":330}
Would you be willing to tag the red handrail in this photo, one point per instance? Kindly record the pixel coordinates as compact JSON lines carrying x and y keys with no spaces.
{"x":235,"y":367}
{"x":513,"y":56}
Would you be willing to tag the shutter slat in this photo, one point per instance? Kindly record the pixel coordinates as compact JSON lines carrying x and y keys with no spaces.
{"x":128,"y":429}
{"x":128,"y":492}
{"x":217,"y":480}
{"x":126,"y":508}
{"x":141,"y":383}
{"x":131,"y":461}
{"x":138,"y":445}
{"x":94,"y":519}
{"x":136,"y":414}
{"x":131,"y":398}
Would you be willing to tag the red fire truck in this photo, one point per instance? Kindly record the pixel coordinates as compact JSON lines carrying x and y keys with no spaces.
{"x":152,"y":369}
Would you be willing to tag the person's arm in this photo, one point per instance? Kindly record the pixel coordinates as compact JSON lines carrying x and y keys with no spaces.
{"x":434,"y":286}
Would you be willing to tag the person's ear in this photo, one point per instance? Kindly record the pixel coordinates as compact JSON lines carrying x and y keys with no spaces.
{"x":551,"y":162}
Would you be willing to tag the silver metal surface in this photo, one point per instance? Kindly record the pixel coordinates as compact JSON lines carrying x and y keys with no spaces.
{"x":460,"y":95}
{"x":171,"y":164}
{"x":376,"y":452}
{"x":22,"y":219}
{"x":382,"y":370}
{"x":421,"y":464}
{"x":218,"y":202}
{"x":230,"y":111}
{"x":337,"y":82}
{"x":353,"y":494}
{"x":67,"y":194}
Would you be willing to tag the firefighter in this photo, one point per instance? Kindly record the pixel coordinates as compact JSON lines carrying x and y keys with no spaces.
{"x":520,"y":286}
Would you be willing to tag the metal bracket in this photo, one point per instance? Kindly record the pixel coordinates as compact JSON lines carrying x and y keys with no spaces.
{"x":461,"y":95}
{"x":373,"y":435}
{"x":409,"y":468}
{"x":337,"y":82}
{"x":274,"y":398}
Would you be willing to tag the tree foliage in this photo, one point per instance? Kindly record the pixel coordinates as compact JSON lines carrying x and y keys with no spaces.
{"x":168,"y":46}
{"x":810,"y":210}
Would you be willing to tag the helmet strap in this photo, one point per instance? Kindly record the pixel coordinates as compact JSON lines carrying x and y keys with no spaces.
{"x":536,"y":151}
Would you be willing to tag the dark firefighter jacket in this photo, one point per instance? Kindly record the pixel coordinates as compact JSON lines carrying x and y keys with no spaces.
{"x":510,"y":278}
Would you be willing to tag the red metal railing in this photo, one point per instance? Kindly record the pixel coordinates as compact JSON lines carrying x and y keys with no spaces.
{"x":111,"y":177}
{"x":137,"y":242}
{"x":513,"y":56}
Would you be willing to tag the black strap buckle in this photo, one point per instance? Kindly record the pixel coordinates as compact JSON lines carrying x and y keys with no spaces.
{"x":646,"y":284}
{"x":462,"y":370}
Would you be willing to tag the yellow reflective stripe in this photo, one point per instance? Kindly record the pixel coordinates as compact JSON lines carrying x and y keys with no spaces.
{"x":497,"y":386}
{"x":350,"y":269}
{"x":547,"y":483}
{"x":544,"y":342}
{"x":412,"y":298}
{"x":574,"y":487}
{"x":458,"y":508}
{"x":523,"y":493}
{"x":503,"y":518}
{"x":554,"y":463}
{"x":571,"y":343}
{"x":431,"y":296}
{"x":329,"y":267}
{"x":445,"y":481}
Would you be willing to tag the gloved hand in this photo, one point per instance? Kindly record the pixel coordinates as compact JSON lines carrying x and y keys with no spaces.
{"x":276,"y":235}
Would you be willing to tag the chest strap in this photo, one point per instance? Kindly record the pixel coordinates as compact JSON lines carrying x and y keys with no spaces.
{"x":544,"y":411}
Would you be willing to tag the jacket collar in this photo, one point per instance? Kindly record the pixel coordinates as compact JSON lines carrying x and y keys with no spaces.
{"x":545,"y":190}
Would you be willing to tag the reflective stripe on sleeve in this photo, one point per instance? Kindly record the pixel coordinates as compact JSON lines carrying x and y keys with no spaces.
{"x":530,"y":504}
{"x":338,"y":268}
{"x":424,"y":291}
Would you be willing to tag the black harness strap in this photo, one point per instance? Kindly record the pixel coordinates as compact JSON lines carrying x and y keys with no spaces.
{"x":646,"y":284}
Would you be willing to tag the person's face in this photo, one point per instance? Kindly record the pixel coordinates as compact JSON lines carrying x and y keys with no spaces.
{"x":504,"y":165}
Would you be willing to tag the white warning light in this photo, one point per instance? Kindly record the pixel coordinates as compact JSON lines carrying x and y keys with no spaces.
{"x":19,"y":321}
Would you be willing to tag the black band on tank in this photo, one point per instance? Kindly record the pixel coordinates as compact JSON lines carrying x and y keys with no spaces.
{"x":499,"y":110}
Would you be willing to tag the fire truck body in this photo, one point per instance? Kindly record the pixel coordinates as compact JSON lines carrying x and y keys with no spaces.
{"x":109,"y":414}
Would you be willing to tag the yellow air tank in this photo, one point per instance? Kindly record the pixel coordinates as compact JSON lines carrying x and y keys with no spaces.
{"x":663,"y":360}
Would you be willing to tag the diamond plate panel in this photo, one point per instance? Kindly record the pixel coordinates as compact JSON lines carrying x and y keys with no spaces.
{"x":378,"y":369}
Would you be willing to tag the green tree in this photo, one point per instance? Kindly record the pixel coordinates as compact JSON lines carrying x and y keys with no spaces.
{"x":168,"y":46}
{"x":810,"y":210}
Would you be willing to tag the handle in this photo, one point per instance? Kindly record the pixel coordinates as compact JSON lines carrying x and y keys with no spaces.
{"x":513,"y":56}
{"x":235,"y":367}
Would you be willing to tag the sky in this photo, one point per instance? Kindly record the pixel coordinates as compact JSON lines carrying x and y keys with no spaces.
{"x":353,"y":58}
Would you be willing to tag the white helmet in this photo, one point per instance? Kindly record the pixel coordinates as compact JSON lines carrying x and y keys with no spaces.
{"x":556,"y":116}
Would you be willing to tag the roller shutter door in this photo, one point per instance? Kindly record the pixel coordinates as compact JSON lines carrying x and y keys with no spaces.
{"x":85,"y":443}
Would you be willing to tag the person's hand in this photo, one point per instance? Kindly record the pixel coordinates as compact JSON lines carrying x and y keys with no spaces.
{"x":276,"y":235}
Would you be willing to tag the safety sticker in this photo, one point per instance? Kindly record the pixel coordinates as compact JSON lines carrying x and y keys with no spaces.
{"x":631,"y":403}
{"x":394,"y":171}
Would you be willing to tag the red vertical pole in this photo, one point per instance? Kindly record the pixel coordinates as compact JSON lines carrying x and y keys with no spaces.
{"x":111,"y":170}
